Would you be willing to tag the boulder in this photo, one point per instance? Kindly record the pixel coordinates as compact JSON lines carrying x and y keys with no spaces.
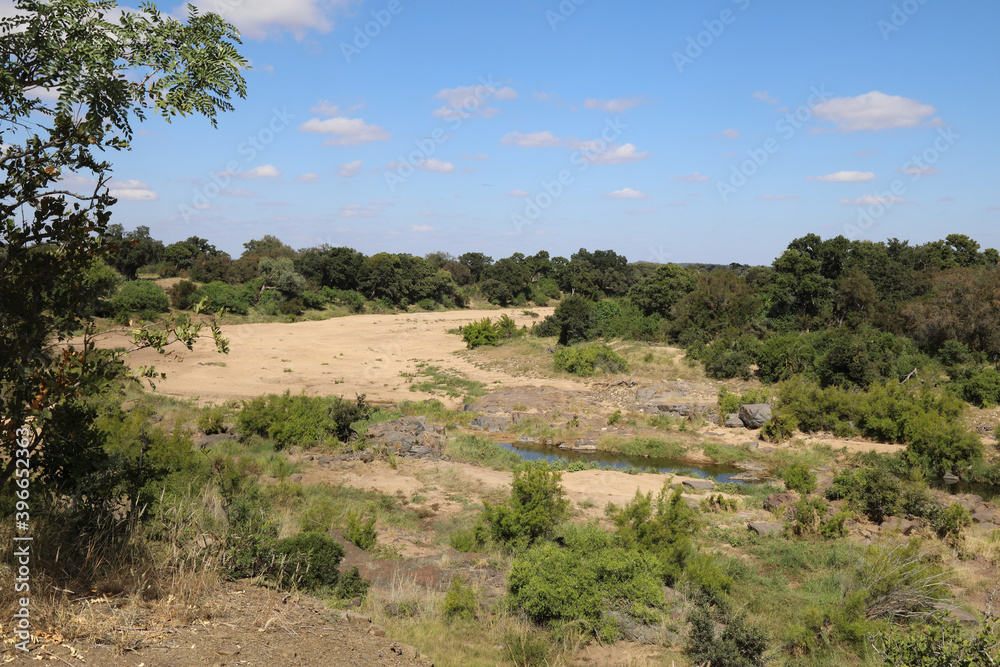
{"x":490,"y":423}
{"x":409,"y":436}
{"x":777,"y":501}
{"x":756,"y":415}
{"x":699,"y":484}
{"x":950,"y":478}
{"x":762,"y":528}
{"x":733,"y":421}
{"x":985,"y":516}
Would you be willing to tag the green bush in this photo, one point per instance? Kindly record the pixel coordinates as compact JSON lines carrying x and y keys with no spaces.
{"x":460,"y":601}
{"x":584,"y":580}
{"x":730,"y":403}
{"x":308,"y":560}
{"x":480,"y":333}
{"x":507,"y":328}
{"x":662,"y":526}
{"x":547,"y":328}
{"x":180,"y":294}
{"x":572,"y":316}
{"x":536,"y":505}
{"x":872,"y":490}
{"x":588,"y":360}
{"x":951,"y":520}
{"x":980,"y":386}
{"x":212,"y":421}
{"x":899,"y":580}
{"x":798,"y":477}
{"x":351,"y":585}
{"x":314,"y":300}
{"x":302,"y":420}
{"x":940,"y":643}
{"x":730,"y":356}
{"x":427,"y":304}
{"x":779,"y":428}
{"x":139,"y":296}
{"x":739,"y":645}
{"x":361,"y":534}
{"x":223,"y":296}
{"x":251,"y":532}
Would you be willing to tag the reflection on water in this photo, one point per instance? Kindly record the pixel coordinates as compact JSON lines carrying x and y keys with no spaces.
{"x":529,"y":452}
{"x":987,"y":492}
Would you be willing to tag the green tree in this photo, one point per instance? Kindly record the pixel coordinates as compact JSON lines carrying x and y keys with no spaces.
{"x":107,"y":71}
{"x":663,"y":289}
{"x":136,"y":249}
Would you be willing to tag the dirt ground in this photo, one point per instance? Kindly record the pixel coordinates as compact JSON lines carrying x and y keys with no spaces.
{"x":345,"y":356}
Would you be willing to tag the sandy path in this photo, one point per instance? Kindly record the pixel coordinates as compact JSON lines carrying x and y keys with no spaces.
{"x":360,"y":354}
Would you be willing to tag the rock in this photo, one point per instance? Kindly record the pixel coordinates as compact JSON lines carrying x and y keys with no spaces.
{"x":950,"y":478}
{"x":526,"y":438}
{"x":756,"y":415}
{"x":777,"y":501}
{"x":699,"y":484}
{"x":490,"y":423}
{"x":733,"y":421}
{"x":377,"y":630}
{"x":296,"y":478}
{"x":585,"y":448}
{"x":904,"y":526}
{"x":750,"y":445}
{"x":355,"y":617}
{"x":409,"y":436}
{"x":633,"y":630}
{"x":762,"y":528}
{"x":751,"y":477}
{"x":985,"y":516}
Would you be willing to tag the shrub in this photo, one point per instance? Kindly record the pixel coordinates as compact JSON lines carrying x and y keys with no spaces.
{"x":251,"y":533}
{"x":730,"y":357}
{"x":810,"y":516}
{"x":308,"y":560}
{"x":480,"y":333}
{"x":139,"y":296}
{"x":871,"y":490}
{"x":779,"y":428}
{"x":351,"y":585}
{"x":293,"y":306}
{"x":730,"y":403}
{"x":507,"y":327}
{"x":427,"y":304}
{"x":303,"y":420}
{"x":898,"y":580}
{"x":211,"y":421}
{"x":589,"y":360}
{"x":739,"y":645}
{"x":460,"y":601}
{"x":180,"y":294}
{"x":547,"y":328}
{"x":314,"y":300}
{"x":353,"y":300}
{"x":950,"y":522}
{"x":536,"y":505}
{"x":360,"y":533}
{"x":798,"y":477}
{"x":981,"y":387}
{"x":662,"y":527}
{"x":219,"y":295}
{"x":572,"y":316}
{"x":940,"y":643}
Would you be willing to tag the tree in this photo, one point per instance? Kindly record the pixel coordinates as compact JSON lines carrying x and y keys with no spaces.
{"x":658,"y":293}
{"x":106,"y":72}
{"x":476,"y":263}
{"x":138,"y":249}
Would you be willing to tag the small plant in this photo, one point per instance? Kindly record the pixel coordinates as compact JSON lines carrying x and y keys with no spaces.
{"x":798,"y":477}
{"x":480,"y":333}
{"x":588,"y":360}
{"x":719,"y":503}
{"x":308,"y":560}
{"x":779,"y":428}
{"x":360,"y":533}
{"x":615,"y":417}
{"x":210,"y":421}
{"x":351,"y":585}
{"x":460,"y":601}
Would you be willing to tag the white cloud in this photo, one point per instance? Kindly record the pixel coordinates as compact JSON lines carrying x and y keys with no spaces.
{"x":132,"y":190}
{"x":463,"y":101}
{"x":874,"y":200}
{"x":532,"y":140}
{"x":263,"y":171}
{"x":437,"y":166}
{"x":518,"y":193}
{"x":307,"y":178}
{"x":696,"y":177}
{"x":873,"y":111}
{"x":347,"y":131}
{"x":421,"y":228}
{"x":617,"y":155}
{"x":845,"y":177}
{"x":764,"y":96}
{"x":618,"y":105}
{"x":349,"y":169}
{"x":357,"y":211}
{"x":258,"y":19}
{"x":237,"y":192}
{"x":627,"y":193}
{"x":919,"y":170}
{"x":730,"y":133}
{"x":433,"y":164}
{"x":324,"y":108}
{"x":776,"y":197}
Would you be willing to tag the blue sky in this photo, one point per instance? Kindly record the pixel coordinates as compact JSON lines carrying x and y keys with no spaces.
{"x":664,"y":131}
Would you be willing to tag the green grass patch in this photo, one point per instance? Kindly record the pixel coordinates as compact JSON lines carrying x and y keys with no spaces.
{"x":446,"y":381}
{"x":648,"y":447}
{"x":481,"y":451}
